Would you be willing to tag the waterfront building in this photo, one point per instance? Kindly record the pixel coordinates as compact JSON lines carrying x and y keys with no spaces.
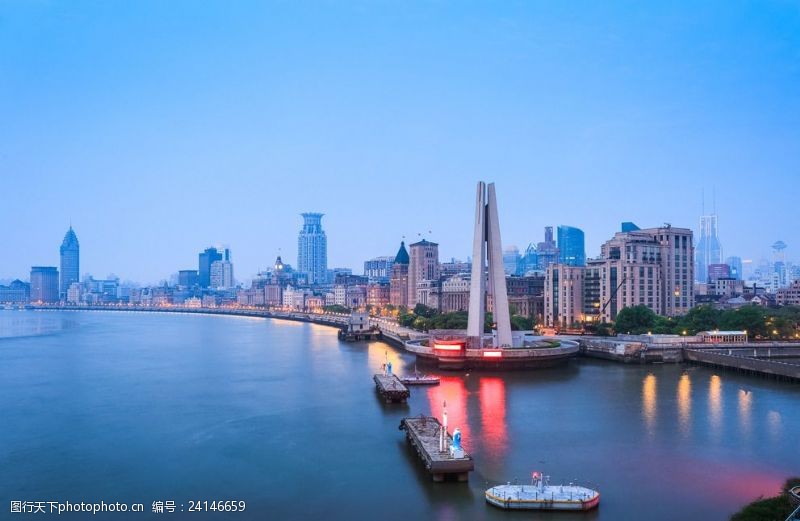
{"x":563,"y":296}
{"x":312,"y":249}
{"x":651,"y":267}
{"x":74,"y":293}
{"x":454,"y":294}
{"x":315,"y":303}
{"x":709,"y":248}
{"x":340,"y":295}
{"x":273,"y":294}
{"x":571,"y":248}
{"x":18,"y":292}
{"x":378,"y":294}
{"x":428,"y":293}
{"x":735,"y":264}
{"x":221,"y":276}
{"x":70,"y":262}
{"x":378,"y":269}
{"x":547,"y":251}
{"x":398,"y":283}
{"x":205,"y":260}
{"x":188,"y":278}
{"x":526,"y":295}
{"x":348,"y":279}
{"x":423,"y":265}
{"x":511,"y":260}
{"x":44,"y":284}
{"x":193,"y":302}
{"x":726,"y":287}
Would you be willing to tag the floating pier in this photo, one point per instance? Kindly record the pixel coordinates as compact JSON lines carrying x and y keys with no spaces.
{"x":391,"y":388}
{"x":425,"y":434}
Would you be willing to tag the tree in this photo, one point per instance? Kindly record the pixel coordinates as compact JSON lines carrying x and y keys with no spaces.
{"x":421,"y":310}
{"x":635,"y":320}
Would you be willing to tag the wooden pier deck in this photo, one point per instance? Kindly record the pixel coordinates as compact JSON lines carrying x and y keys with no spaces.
{"x":423,"y":434}
{"x":391,"y":388}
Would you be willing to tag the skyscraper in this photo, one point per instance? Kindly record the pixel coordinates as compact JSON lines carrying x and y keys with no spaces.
{"x":44,"y":284}
{"x":571,"y":249}
{"x":735,"y":264}
{"x":70,"y":262}
{"x":548,"y":250}
{"x":423,"y":265}
{"x":709,"y":249}
{"x":312,"y":249}
{"x":205,"y":260}
{"x":398,"y":284}
{"x":221,"y":275}
{"x":511,"y":260}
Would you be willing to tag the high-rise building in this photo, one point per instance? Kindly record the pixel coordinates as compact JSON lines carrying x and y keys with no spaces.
{"x":378,"y":269}
{"x":312,"y":249}
{"x":188,"y":278}
{"x":423,"y":265}
{"x":571,"y":248}
{"x":44,"y":284}
{"x":221,"y":276}
{"x":651,"y":267}
{"x":547,"y":251}
{"x":398,"y":283}
{"x":206,"y":259}
{"x":735,"y":264}
{"x":17,"y":292}
{"x":529,"y":262}
{"x":718,"y":271}
{"x":511,"y":260}
{"x":709,"y":249}
{"x":70,"y":262}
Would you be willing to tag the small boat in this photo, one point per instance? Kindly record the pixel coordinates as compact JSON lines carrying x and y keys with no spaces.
{"x":540,"y":495}
{"x":420,"y":379}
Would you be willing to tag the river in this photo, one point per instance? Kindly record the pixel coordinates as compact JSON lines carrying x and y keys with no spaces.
{"x":140,"y":407}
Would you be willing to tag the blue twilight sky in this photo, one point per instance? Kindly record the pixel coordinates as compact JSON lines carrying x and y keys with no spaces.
{"x":160,"y":128}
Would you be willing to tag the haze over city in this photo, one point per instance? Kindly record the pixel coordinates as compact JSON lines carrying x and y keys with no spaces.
{"x":158,"y":130}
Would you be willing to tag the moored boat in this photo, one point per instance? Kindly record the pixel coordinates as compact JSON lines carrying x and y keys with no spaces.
{"x":420,"y":379}
{"x":540,"y":495}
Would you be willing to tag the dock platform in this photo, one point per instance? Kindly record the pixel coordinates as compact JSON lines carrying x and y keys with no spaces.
{"x":423,"y":434}
{"x":391,"y":388}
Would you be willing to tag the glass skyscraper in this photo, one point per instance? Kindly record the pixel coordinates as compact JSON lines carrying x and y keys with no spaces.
{"x":205,"y":260}
{"x":571,"y":247}
{"x":70,"y":262}
{"x":312,"y":249}
{"x":709,"y":249}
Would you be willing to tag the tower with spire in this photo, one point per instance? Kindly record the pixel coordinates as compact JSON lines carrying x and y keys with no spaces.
{"x":70,"y":262}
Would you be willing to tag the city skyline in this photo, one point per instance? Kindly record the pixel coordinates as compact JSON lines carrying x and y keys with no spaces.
{"x":596,"y":116}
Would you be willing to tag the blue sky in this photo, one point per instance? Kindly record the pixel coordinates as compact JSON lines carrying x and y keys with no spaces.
{"x":160,"y":128}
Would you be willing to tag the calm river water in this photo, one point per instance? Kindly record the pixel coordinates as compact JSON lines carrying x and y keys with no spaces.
{"x":136,"y":407}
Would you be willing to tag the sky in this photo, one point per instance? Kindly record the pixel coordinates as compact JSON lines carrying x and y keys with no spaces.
{"x":160,"y":128}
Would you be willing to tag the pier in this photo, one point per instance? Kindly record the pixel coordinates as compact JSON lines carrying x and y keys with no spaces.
{"x":391,"y":388}
{"x":423,"y":432}
{"x":744,"y":361}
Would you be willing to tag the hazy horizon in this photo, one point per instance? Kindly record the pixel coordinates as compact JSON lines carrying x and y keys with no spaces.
{"x":159,"y":129}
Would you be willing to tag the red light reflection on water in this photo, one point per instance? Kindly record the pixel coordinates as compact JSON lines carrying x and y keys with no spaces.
{"x":493,"y":415}
{"x":452,"y":390}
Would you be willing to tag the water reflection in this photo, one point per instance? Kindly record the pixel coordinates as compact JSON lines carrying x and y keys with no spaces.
{"x":452,"y":390}
{"x":745,"y":416}
{"x":774,"y":425}
{"x":649,"y":393}
{"x":685,"y":404}
{"x":715,"y":405}
{"x":493,"y":415}
{"x":378,"y":354}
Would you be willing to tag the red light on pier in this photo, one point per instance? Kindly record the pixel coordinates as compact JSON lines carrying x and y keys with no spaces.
{"x":444,"y":346}
{"x":493,"y":354}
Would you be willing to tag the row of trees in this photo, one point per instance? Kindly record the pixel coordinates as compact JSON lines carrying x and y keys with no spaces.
{"x":423,"y":318}
{"x":759,"y":322}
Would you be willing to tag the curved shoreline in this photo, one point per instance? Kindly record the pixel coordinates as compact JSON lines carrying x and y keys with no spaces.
{"x":330,"y":320}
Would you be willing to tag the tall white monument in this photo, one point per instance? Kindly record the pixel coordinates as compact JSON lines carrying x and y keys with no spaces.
{"x":486,"y":247}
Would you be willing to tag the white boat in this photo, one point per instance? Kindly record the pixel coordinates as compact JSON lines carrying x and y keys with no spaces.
{"x":540,"y":495}
{"x":420,"y":379}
